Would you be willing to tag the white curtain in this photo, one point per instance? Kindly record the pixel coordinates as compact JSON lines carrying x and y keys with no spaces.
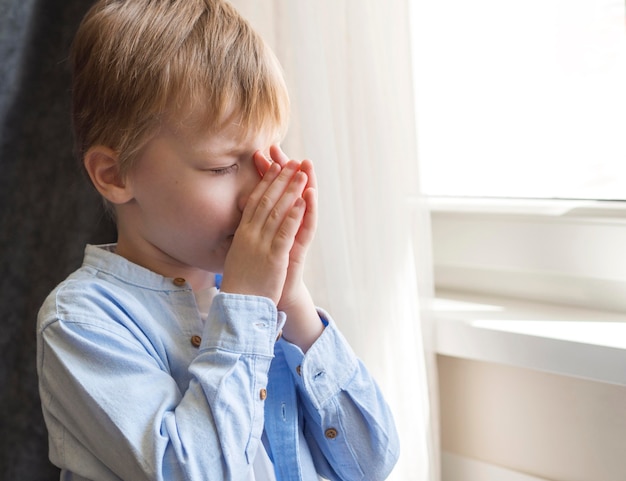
{"x":349,"y":71}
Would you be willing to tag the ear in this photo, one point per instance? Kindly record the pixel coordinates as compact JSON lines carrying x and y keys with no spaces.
{"x":102,"y":165}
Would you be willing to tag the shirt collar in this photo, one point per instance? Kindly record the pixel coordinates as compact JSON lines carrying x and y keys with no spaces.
{"x":104,"y":259}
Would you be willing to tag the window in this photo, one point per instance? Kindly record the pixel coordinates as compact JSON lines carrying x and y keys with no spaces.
{"x":521,"y":118}
{"x":521,"y":110}
{"x":522,"y":99}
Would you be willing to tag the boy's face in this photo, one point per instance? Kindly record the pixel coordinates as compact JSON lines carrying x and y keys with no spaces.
{"x":189,"y":190}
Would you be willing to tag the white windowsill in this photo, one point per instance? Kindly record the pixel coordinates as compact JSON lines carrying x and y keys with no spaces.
{"x":570,"y":341}
{"x":461,"y":468}
{"x":603,"y":210}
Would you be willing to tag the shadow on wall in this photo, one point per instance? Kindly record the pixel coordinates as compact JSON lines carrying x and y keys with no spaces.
{"x":48,"y":210}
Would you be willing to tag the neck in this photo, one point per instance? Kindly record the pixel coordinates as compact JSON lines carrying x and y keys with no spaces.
{"x":151,"y":257}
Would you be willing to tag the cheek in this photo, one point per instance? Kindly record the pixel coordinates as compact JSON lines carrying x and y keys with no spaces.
{"x":212,"y":202}
{"x":166,"y":200}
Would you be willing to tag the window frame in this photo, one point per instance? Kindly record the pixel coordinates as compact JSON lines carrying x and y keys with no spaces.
{"x":567,"y":252}
{"x":495,"y":304}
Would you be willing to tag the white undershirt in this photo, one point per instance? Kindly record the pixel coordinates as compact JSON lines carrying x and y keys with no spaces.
{"x":262,"y":467}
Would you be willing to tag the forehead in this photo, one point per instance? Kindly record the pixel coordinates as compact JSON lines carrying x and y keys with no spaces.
{"x":229,"y":123}
{"x":230,"y":138}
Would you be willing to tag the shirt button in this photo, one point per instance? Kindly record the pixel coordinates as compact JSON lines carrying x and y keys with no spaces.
{"x":330,"y":433}
{"x":263,"y":394}
{"x":195,"y":341}
{"x":179,"y":281}
{"x":299,"y":370}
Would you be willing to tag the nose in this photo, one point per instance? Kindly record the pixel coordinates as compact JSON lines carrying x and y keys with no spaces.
{"x":250,"y":178}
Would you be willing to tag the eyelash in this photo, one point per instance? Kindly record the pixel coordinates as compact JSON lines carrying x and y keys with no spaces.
{"x":224,"y":170}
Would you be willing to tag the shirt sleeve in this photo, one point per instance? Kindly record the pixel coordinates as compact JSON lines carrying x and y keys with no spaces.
{"x":348,"y":424}
{"x":150,"y":429}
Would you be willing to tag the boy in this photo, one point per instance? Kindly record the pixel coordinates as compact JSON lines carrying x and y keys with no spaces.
{"x":151,"y":366}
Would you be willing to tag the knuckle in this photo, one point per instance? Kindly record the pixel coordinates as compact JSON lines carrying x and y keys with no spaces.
{"x":275,"y":214}
{"x":265,"y":202}
{"x":284,"y":234}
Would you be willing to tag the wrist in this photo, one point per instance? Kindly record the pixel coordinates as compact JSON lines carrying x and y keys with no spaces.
{"x":304,"y":325}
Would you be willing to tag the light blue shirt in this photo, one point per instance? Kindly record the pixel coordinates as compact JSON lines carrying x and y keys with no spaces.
{"x":136,"y":386}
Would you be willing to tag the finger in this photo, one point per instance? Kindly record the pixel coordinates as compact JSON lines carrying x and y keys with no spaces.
{"x":277,"y":154}
{"x":307,"y":167}
{"x":261,"y":162}
{"x":309,"y":224}
{"x":310,"y":197}
{"x":257,"y":193}
{"x":284,"y":204}
{"x":286,"y":233}
{"x":306,"y":233}
{"x":264,"y":197}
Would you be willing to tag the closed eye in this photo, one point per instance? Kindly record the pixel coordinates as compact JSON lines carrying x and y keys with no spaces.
{"x":225,"y":170}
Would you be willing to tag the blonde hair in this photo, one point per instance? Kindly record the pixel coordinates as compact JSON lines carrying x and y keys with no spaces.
{"x":139,"y":62}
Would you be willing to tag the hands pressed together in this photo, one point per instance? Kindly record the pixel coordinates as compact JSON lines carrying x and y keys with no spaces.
{"x":269,"y":248}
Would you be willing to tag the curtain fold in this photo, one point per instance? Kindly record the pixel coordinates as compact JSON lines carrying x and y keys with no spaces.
{"x":349,"y":71}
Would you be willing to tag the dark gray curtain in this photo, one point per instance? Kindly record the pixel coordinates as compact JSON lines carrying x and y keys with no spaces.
{"x":48,"y":211}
